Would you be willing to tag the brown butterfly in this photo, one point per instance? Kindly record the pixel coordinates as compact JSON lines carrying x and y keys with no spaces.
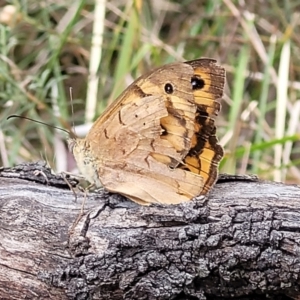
{"x":157,"y":143}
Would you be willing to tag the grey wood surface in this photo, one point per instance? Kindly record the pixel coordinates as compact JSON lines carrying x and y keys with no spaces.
{"x":243,"y":240}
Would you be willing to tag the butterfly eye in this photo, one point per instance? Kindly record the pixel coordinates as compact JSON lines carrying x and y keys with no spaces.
{"x":169,"y":88}
{"x":197,"y":83}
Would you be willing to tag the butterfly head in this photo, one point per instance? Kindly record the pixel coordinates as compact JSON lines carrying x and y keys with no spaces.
{"x":77,"y":148}
{"x":85,"y":160}
{"x":71,"y":144}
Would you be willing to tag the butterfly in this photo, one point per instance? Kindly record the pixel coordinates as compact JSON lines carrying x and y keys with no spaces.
{"x":157,"y":142}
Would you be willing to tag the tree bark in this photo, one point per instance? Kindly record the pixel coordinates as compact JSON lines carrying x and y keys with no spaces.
{"x":241,"y":241}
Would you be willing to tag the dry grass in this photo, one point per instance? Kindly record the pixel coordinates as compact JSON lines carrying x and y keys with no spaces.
{"x":48,"y":47}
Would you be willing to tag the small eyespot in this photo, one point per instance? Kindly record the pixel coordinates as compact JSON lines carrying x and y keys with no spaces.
{"x":169,"y":88}
{"x":197,"y":83}
{"x":136,"y":116}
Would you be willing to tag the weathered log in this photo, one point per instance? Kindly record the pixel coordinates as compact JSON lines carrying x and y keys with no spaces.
{"x":243,"y":240}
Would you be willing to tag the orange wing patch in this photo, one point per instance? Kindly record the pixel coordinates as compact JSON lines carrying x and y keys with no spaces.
{"x":205,"y":153}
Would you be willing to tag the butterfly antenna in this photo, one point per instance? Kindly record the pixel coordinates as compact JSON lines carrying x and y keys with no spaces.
{"x":40,"y":122}
{"x":72,"y":108}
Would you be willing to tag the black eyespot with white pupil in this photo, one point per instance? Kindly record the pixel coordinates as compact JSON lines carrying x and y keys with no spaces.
{"x":169,"y":88}
{"x":197,"y":83}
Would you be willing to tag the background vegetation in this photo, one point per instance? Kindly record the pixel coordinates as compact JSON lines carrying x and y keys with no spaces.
{"x":46,"y":47}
